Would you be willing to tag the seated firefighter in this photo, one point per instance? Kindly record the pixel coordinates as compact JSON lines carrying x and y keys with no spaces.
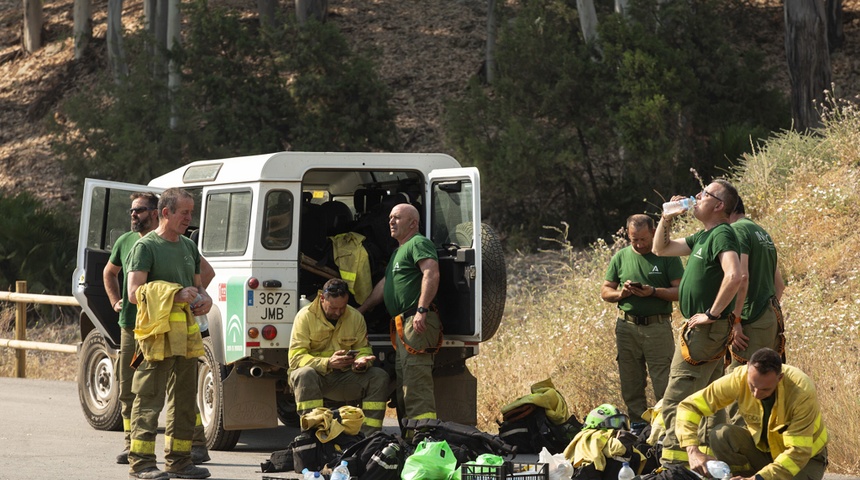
{"x":330,"y":357}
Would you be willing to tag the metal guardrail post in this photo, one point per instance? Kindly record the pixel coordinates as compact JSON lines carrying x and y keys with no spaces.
{"x":21,"y":331}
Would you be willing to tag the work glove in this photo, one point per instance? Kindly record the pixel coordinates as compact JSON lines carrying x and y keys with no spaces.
{"x":628,"y":439}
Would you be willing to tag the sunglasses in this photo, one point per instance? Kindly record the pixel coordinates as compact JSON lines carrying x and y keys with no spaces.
{"x":705,"y":192}
{"x":335,"y":290}
{"x":138,"y":210}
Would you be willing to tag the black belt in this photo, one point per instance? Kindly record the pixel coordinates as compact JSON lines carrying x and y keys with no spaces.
{"x":645,"y":320}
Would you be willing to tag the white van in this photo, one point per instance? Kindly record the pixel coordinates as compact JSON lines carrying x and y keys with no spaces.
{"x":266,"y":223}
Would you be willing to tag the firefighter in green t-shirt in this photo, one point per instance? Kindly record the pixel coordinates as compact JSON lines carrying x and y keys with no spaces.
{"x":408,"y":289}
{"x":757,"y":303}
{"x":706,"y":299}
{"x":644,"y":287}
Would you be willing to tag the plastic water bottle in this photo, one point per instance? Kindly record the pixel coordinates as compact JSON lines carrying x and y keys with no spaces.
{"x":202,"y":320}
{"x":307,"y":474}
{"x":341,"y":472}
{"x":718,"y":469}
{"x":679,"y":205}
{"x":626,"y":473}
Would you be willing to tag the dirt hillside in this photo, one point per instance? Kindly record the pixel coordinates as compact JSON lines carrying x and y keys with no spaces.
{"x":427,"y":52}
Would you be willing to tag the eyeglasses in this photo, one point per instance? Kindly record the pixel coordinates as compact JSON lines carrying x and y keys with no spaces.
{"x":138,"y":210}
{"x":335,"y":290}
{"x":705,"y":192}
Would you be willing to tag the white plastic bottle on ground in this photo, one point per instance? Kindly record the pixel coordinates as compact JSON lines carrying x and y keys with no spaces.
{"x":341,"y":472}
{"x":307,"y":474}
{"x":626,"y":473}
{"x":679,"y":205}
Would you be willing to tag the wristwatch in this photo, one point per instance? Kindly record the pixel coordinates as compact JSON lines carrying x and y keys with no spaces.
{"x":710,"y":315}
{"x":423,"y":310}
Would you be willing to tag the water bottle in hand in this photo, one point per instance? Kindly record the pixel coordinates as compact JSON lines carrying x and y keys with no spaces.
{"x":202,"y":320}
{"x":679,"y":205}
{"x":718,"y":469}
{"x":341,"y":472}
{"x":626,"y":473}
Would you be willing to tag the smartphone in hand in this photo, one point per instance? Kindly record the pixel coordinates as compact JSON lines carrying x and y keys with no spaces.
{"x":352,"y":353}
{"x":636,"y":284}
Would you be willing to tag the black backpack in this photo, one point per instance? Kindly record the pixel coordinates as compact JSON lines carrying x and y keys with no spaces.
{"x":306,"y":451}
{"x":380,"y":456}
{"x":466,"y":442}
{"x":527,"y":428}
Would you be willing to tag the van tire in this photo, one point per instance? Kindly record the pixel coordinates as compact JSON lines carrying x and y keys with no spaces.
{"x":210,"y":394}
{"x":286,"y":405}
{"x":98,"y":387}
{"x":494,"y":279}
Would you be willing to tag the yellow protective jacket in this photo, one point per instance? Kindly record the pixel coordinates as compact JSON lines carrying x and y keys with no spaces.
{"x":544,"y":395}
{"x":354,"y":264}
{"x":594,"y":446}
{"x":314,"y":339}
{"x":795,"y":432}
{"x":163,"y":328}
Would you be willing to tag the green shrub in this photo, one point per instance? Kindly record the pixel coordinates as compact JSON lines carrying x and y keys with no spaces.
{"x":591,"y":133}
{"x":243,"y":91}
{"x":36,"y":245}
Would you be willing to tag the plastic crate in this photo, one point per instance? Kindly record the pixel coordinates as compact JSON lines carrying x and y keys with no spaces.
{"x":522,"y":471}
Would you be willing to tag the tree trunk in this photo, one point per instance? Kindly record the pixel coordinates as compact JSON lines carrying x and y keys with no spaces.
{"x":83,"y":28}
{"x":587,"y":19}
{"x":32,"y":25}
{"x":116,"y":54}
{"x":174,"y":23}
{"x":622,"y":7}
{"x":490,"y":60}
{"x":307,"y":9}
{"x":835,"y":34}
{"x":808,"y":60}
{"x":266,"y":12}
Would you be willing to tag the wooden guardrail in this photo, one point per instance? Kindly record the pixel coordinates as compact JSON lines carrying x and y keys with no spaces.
{"x":20,"y":343}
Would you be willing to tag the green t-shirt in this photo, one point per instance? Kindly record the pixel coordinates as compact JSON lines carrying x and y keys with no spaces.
{"x":648,"y":269}
{"x":118,"y":257}
{"x":756,"y":242}
{"x":704,"y":274}
{"x":402,"y":275}
{"x":175,"y":262}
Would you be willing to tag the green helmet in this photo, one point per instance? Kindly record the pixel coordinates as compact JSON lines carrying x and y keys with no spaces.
{"x":606,"y":416}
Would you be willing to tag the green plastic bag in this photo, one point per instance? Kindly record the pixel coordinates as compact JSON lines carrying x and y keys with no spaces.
{"x":431,"y":461}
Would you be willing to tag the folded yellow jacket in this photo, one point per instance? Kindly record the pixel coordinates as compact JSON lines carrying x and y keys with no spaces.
{"x":163,"y":328}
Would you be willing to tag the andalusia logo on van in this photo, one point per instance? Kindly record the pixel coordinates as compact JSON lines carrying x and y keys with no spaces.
{"x":234,"y":341}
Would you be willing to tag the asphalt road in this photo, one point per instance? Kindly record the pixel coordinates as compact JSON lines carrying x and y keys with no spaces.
{"x":44,"y":435}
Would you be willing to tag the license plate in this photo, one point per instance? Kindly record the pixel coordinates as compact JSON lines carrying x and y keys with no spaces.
{"x":269,"y":305}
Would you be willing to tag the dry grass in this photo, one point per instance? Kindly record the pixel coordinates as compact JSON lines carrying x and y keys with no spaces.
{"x":47,"y":365}
{"x":803,"y":190}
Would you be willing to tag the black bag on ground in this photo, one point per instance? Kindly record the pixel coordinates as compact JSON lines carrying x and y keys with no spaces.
{"x":310,"y":453}
{"x":527,"y":428}
{"x":279,"y":461}
{"x":466,"y":442}
{"x":380,"y":456}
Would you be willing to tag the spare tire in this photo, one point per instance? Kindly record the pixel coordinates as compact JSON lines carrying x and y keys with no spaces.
{"x":494,"y":279}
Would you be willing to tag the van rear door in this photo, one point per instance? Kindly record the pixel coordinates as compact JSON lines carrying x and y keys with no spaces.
{"x":104,"y":218}
{"x":454,"y":211}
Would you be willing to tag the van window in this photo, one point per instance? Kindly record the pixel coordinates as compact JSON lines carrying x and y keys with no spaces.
{"x":228,"y":221}
{"x":278,"y":221}
{"x":452,"y":207}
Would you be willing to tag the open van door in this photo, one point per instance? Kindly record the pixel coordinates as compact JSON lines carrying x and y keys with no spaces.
{"x":104,"y":218}
{"x":471,"y":261}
